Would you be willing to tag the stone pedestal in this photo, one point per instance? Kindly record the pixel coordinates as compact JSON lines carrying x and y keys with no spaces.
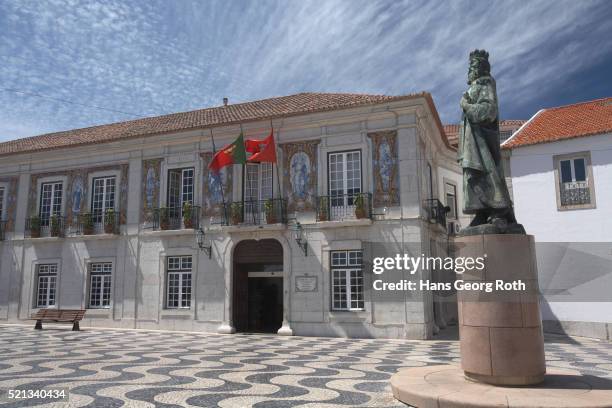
{"x":501,"y":331}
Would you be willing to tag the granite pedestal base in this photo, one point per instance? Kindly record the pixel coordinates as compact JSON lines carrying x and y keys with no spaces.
{"x":445,"y":386}
{"x":500,"y":331}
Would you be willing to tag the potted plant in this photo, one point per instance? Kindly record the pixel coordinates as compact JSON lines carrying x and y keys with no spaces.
{"x":88,"y":224}
{"x":164,"y":218}
{"x":236,"y":213}
{"x":55,"y":226}
{"x":269,"y":210}
{"x":323,"y":209}
{"x":188,"y":215}
{"x":360,"y":206}
{"x":35,"y":227}
{"x":110,"y":219}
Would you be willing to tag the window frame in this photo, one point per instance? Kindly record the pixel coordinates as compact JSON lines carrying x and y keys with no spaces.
{"x":49,"y":274}
{"x":181,"y":274}
{"x":181,"y":188}
{"x":105,"y":276}
{"x":104,"y":196}
{"x":347,"y":270}
{"x":454,"y":208}
{"x":3,"y":200}
{"x":52,"y":199}
{"x":260,"y":184}
{"x":557,"y":159}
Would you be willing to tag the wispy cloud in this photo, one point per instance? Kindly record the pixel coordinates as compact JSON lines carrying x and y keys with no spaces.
{"x":154,"y":57}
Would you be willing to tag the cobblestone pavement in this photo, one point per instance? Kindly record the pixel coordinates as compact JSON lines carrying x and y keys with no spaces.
{"x":134,"y":368}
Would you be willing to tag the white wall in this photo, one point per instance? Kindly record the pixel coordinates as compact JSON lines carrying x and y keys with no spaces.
{"x":570,"y":263}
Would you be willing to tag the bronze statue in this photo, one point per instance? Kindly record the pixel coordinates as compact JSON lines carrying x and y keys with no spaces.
{"x":485,"y":193}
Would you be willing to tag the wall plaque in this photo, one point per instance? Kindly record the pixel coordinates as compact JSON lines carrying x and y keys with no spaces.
{"x":305,"y":283}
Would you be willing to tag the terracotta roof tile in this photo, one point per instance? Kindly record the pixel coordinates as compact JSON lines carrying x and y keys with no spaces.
{"x":291,"y":105}
{"x":452,"y":130}
{"x":565,"y":122}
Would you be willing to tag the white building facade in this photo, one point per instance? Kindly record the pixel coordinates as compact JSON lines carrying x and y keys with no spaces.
{"x":127,"y":221}
{"x":561,"y":164}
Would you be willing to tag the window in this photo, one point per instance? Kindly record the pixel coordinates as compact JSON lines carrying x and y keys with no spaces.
{"x":257,"y":188}
{"x":180,"y":187}
{"x":429,"y":176}
{"x":451,"y":199}
{"x":47,"y":284}
{"x":258,"y":182}
{"x":50,"y":201}
{"x":575,"y":184}
{"x":180,"y":191}
{"x":347,"y":280}
{"x":103,"y":197}
{"x":344,"y":183}
{"x":178,"y":287}
{"x":1,"y":203}
{"x":100,"y":276}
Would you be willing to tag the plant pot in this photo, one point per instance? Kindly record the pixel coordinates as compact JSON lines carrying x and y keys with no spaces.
{"x":323,"y":217}
{"x":271,"y":219}
{"x":165,"y":225}
{"x":188,"y":223}
{"x":236,"y":219}
{"x":55,"y":232}
{"x":88,"y":230}
{"x":109,"y":229}
{"x":35,"y":233}
{"x":360,"y":213}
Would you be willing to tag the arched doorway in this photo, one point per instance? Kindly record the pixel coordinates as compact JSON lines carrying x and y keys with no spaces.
{"x":258,"y":286}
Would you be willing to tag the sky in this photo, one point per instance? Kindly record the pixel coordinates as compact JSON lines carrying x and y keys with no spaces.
{"x":69,"y":64}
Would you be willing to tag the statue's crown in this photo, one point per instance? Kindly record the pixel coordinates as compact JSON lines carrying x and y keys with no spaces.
{"x":480,"y":55}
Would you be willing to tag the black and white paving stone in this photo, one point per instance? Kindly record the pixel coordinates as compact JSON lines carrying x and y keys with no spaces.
{"x":137,"y":368}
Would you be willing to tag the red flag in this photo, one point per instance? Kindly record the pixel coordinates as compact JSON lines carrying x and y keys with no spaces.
{"x":263,"y":150}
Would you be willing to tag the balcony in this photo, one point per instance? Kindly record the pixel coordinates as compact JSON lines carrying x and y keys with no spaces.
{"x":575,"y":193}
{"x":436,"y":212}
{"x":46,"y":226}
{"x":96,"y":223}
{"x":2,"y":230}
{"x":259,"y":212}
{"x":340,"y":207}
{"x":167,"y":218}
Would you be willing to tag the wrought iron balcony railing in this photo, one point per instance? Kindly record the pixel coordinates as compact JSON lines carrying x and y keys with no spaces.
{"x":2,"y":230}
{"x":575,"y":193}
{"x":45,"y":226}
{"x":436,"y":211}
{"x":256,"y":212}
{"x":337,"y":207}
{"x":96,"y":222}
{"x":168,"y":218}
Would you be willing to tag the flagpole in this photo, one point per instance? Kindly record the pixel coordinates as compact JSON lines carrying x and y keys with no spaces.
{"x":243,"y":172}
{"x":212,"y":138}
{"x":280,"y":195}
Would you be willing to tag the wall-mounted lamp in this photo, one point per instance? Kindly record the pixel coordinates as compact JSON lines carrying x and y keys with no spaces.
{"x":204,"y":243}
{"x":298,"y":235}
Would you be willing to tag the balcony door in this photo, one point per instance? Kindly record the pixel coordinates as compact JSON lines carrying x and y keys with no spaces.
{"x":50,"y":202}
{"x":344,"y":183}
{"x":257,"y":189}
{"x":103,"y":197}
{"x":180,"y":191}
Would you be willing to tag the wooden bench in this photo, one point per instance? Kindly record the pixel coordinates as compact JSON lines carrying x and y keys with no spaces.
{"x":59,"y":316}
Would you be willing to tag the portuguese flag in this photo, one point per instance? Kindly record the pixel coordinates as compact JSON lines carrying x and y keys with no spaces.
{"x":233,"y":153}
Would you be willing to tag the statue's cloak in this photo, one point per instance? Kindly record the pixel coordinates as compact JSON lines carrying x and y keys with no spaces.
{"x":479,"y":154}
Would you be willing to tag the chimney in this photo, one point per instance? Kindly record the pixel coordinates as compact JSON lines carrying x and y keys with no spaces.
{"x":224,"y":101}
